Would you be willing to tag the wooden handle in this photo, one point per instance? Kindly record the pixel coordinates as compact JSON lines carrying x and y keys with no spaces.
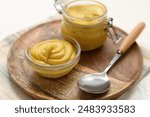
{"x":131,"y":37}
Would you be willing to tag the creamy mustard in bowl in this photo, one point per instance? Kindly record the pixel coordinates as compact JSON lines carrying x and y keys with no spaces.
{"x":52,"y":52}
{"x":53,"y":58}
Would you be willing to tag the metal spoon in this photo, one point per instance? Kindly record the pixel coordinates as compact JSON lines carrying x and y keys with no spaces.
{"x":99,"y":82}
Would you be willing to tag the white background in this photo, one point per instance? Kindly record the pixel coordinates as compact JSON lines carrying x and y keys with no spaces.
{"x":20,"y":14}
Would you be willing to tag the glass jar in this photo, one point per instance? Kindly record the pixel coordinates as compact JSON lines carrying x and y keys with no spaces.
{"x":86,"y":21}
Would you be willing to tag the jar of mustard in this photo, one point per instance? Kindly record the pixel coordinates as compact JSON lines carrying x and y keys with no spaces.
{"x":86,"y":21}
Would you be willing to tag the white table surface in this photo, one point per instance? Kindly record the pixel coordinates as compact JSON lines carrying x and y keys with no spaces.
{"x":20,"y":14}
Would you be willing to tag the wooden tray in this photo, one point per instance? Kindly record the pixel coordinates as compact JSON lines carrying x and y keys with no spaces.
{"x":123,"y":74}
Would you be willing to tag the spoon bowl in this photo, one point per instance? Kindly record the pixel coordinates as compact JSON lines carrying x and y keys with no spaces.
{"x":95,"y":83}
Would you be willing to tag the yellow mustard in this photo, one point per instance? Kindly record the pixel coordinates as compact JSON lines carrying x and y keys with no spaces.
{"x":89,"y":12}
{"x":86,"y":23}
{"x":52,"y":52}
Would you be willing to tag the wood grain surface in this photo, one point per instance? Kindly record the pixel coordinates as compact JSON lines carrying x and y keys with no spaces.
{"x":123,"y":74}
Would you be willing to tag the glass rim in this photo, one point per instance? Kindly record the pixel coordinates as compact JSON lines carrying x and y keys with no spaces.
{"x":94,"y":1}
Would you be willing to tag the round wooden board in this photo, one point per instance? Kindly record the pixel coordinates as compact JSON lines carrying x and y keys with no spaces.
{"x":123,"y":74}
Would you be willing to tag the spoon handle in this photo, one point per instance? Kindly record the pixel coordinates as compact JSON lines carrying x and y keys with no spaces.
{"x":131,"y":37}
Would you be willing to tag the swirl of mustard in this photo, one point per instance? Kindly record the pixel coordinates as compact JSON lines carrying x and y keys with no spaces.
{"x":89,"y":12}
{"x":52,"y":52}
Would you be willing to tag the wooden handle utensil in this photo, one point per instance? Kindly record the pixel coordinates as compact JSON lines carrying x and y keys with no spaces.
{"x":131,"y":37}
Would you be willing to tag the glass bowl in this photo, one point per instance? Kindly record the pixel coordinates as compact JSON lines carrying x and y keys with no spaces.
{"x":55,"y":71}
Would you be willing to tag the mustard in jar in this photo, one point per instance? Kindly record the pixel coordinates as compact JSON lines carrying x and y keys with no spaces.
{"x":85,"y":21}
